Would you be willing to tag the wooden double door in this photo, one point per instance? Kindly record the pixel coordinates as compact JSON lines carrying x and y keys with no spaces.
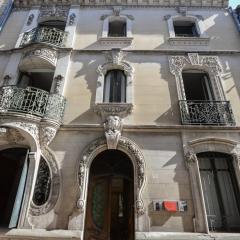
{"x":110,"y":209}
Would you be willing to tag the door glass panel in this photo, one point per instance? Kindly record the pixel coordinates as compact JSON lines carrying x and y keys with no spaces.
{"x":220,"y":191}
{"x":98,"y":204}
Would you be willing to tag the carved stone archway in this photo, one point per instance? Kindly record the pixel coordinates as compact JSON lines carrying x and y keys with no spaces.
{"x":91,"y":151}
{"x":191,"y":149}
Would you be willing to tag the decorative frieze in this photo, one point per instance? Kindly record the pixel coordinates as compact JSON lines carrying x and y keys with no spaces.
{"x":113,"y":109}
{"x":45,"y":53}
{"x":59,"y":12}
{"x":166,"y":3}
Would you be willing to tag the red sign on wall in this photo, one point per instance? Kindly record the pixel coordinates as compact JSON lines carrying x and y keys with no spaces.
{"x":170,"y":206}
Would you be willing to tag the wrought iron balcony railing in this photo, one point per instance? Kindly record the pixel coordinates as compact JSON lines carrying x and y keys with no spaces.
{"x":52,"y":36}
{"x":206,"y":112}
{"x":32,"y":101}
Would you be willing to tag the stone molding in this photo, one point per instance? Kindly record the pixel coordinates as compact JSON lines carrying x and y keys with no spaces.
{"x":113,"y":109}
{"x":189,"y":41}
{"x":115,"y":40}
{"x":210,"y":64}
{"x":99,"y":145}
{"x":167,"y":3}
{"x":55,"y":185}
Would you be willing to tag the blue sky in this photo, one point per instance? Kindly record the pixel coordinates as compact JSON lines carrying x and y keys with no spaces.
{"x":234,"y":3}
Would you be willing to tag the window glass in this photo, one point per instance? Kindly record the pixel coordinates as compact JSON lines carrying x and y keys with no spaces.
{"x":185,"y":29}
{"x":117,"y":28}
{"x":115,"y":86}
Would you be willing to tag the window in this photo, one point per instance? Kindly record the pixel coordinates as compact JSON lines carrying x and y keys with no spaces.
{"x":38,"y":78}
{"x":117,"y":28}
{"x":185,"y":29}
{"x":220,"y":190}
{"x":197,"y":85}
{"x":115,"y":86}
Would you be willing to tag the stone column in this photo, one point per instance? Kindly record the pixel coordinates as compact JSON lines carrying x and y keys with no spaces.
{"x":200,"y":224}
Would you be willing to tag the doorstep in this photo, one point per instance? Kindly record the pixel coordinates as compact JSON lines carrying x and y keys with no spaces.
{"x":186,"y":236}
{"x":36,"y":234}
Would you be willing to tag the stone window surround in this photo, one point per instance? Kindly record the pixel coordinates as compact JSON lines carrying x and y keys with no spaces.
{"x":203,"y":39}
{"x":209,"y":64}
{"x":191,"y":149}
{"x":114,"y":60}
{"x":105,"y":39}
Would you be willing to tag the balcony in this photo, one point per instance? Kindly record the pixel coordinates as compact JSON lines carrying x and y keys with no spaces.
{"x":51,"y":36}
{"x":32,"y":101}
{"x":206,"y":112}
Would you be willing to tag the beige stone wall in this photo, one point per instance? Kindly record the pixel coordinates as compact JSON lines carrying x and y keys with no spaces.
{"x":154,"y":87}
{"x":12,"y":29}
{"x":150,"y":30}
{"x":167,"y":177}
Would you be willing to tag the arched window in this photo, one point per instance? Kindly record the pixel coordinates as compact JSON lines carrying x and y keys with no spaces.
{"x":115,"y":86}
{"x":43,"y":184}
{"x":117,"y":28}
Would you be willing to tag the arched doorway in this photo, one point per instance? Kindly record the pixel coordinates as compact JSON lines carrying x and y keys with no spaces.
{"x":110,"y":202}
{"x":13,"y":174}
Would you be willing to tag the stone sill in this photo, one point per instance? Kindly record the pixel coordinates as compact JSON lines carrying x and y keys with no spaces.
{"x":189,"y":41}
{"x":115,"y":40}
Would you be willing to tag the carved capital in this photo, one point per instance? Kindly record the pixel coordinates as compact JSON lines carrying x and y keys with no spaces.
{"x":72,"y":19}
{"x":30,"y":19}
{"x":190,"y":156}
{"x":58,"y":83}
{"x":113,"y":127}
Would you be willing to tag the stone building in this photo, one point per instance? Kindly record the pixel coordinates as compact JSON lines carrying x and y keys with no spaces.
{"x":119,"y":119}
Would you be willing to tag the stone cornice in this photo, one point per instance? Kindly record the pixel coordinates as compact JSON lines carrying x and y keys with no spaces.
{"x":163,"y":3}
{"x":152,"y":128}
{"x":140,"y":51}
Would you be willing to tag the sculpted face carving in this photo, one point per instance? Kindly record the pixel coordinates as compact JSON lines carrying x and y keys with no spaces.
{"x":113,"y":128}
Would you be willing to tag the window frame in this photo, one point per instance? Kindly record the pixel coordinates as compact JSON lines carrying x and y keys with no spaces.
{"x":121,"y":40}
{"x":201,"y":39}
